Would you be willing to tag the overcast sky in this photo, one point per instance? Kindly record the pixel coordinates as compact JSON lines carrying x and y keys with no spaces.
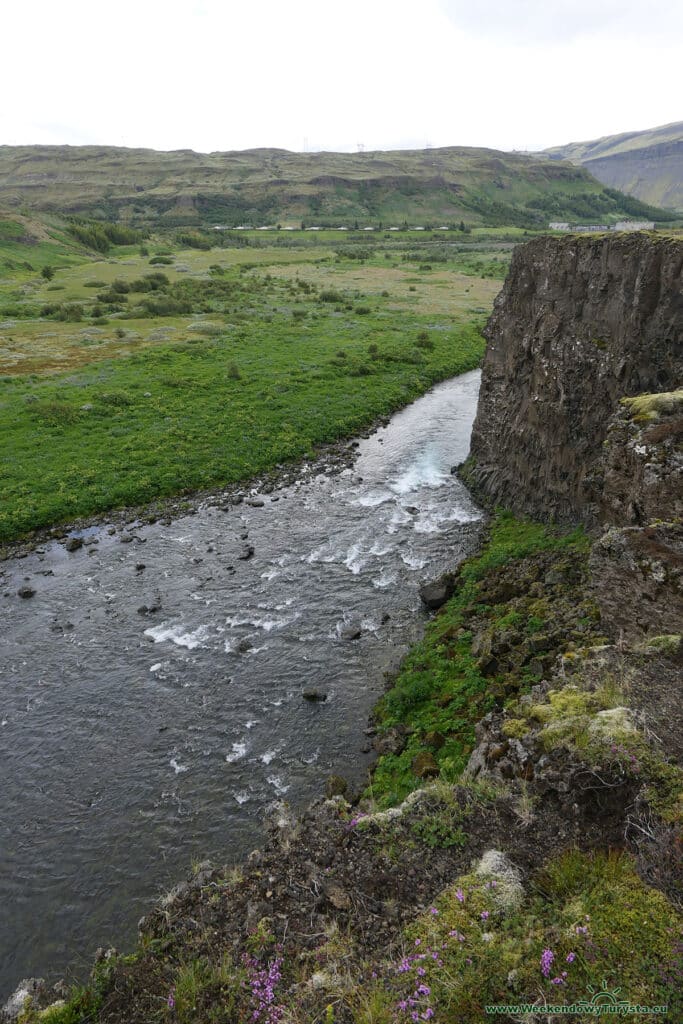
{"x":312,"y":74}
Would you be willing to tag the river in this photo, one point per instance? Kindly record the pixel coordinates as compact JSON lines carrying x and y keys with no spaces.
{"x":151,"y":690}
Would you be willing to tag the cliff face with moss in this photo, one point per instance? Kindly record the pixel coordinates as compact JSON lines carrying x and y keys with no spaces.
{"x":580,"y":323}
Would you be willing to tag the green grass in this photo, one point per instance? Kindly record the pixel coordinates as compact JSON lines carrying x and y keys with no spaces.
{"x":441,"y":687}
{"x":94,"y":440}
{"x":126,"y":382}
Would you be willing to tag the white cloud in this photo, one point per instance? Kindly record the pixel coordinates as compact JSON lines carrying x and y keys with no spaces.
{"x":221,"y":74}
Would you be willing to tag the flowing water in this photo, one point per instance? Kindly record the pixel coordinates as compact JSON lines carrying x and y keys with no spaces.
{"x":149,"y":715}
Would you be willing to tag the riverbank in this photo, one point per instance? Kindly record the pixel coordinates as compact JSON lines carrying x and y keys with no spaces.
{"x":363,"y":914}
{"x":186,"y":649}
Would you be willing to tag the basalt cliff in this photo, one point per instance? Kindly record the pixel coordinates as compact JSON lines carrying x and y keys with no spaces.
{"x":580,"y":323}
{"x":519,"y":845}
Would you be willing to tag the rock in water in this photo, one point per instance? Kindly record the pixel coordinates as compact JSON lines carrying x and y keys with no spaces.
{"x":313,"y":695}
{"x":433,"y":595}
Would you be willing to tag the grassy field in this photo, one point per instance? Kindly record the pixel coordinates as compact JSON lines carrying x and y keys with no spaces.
{"x":146,"y":374}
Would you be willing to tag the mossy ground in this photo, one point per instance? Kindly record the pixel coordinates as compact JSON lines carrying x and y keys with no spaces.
{"x":447,"y":683}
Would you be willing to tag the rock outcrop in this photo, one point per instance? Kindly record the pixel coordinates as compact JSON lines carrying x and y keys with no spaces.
{"x":580,"y":323}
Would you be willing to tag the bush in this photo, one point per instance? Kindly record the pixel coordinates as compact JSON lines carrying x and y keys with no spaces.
{"x":55,"y":414}
{"x":233,"y":372}
{"x":115,"y":398}
{"x":154,"y":282}
{"x":330,"y":295}
{"x":164,"y":261}
{"x":424,"y":341}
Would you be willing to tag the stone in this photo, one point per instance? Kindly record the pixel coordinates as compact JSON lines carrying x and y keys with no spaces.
{"x":350,"y":633}
{"x":29,"y":988}
{"x":26,"y":591}
{"x":637,"y":579}
{"x":74,"y":543}
{"x":337,"y":896}
{"x":336,"y":785}
{"x":434,"y":595}
{"x":392,"y":741}
{"x":434,"y":739}
{"x":313,"y":695}
{"x":246,"y":553}
{"x":424,"y":765}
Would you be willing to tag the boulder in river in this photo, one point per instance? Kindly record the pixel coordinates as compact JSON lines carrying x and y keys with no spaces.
{"x":26,"y":590}
{"x":350,"y":633}
{"x":74,"y":543}
{"x":433,"y":595}
{"x":313,"y":696}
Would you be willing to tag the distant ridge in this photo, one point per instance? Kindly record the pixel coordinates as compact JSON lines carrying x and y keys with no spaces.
{"x":454,"y":185}
{"x":646,"y":164}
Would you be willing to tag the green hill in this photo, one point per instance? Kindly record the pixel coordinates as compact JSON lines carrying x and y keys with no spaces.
{"x":647,"y":164}
{"x":270,"y":186}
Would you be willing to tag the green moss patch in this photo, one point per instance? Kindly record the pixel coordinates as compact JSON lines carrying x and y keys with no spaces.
{"x":517,"y":606}
{"x":644,"y":408}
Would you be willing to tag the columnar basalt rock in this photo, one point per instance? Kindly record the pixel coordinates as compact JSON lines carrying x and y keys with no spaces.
{"x":580,"y":323}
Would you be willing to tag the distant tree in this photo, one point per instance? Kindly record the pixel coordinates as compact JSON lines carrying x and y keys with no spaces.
{"x":48,"y":273}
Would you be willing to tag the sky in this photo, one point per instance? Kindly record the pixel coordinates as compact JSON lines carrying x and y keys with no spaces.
{"x":319,"y":75}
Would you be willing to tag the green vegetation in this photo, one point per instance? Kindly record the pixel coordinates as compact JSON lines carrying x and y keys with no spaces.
{"x":137,"y":382}
{"x":587,"y":925}
{"x":647,"y":408}
{"x":101,"y":235}
{"x":459,"y":187}
{"x":492,"y":640}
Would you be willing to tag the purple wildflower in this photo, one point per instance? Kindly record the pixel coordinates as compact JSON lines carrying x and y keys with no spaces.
{"x":433,"y":910}
{"x":547,"y":957}
{"x":171,"y":999}
{"x":262,"y":982}
{"x":484,"y":915}
{"x":571,"y":957}
{"x":459,"y":895}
